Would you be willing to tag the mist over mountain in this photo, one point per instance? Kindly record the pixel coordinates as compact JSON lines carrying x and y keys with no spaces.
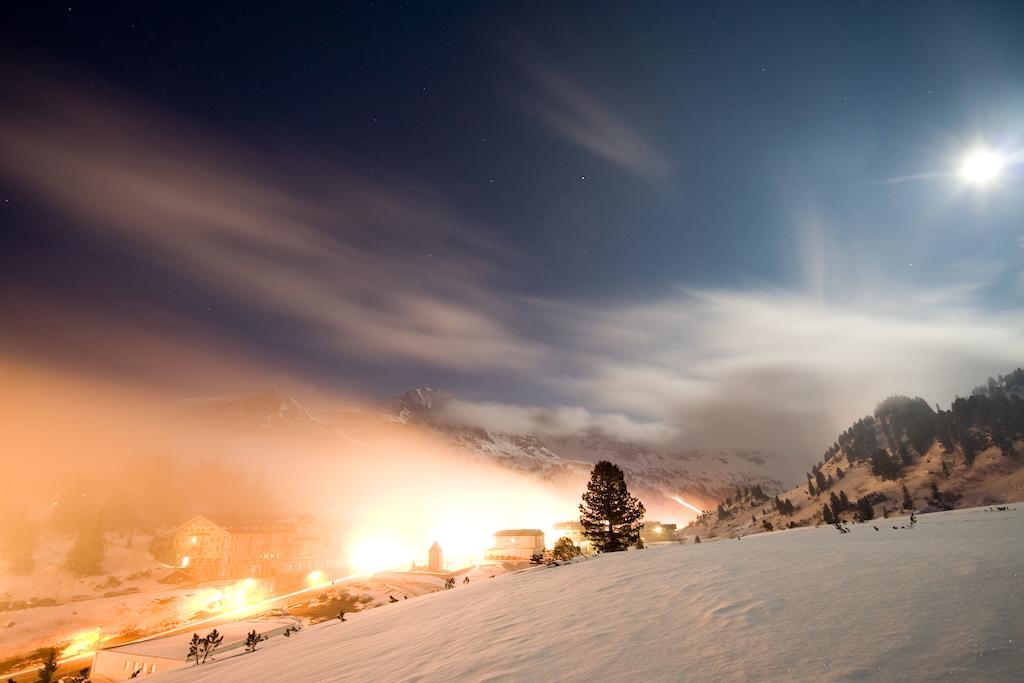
{"x":560,"y":452}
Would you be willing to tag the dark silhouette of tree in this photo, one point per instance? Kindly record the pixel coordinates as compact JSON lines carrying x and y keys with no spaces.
{"x":865,"y":511}
{"x":85,"y":558}
{"x":826,"y":514}
{"x":908,"y":501}
{"x":610,"y":517}
{"x":49,"y":665}
{"x":252,"y":639}
{"x":884,"y":465}
{"x":564,"y":549}
{"x":200,"y":649}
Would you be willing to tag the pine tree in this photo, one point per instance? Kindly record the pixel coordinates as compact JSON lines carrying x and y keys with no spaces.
{"x":213,"y":641}
{"x":252,"y":639}
{"x":564,"y":549}
{"x":49,"y":665}
{"x":826,"y":514}
{"x":85,"y":558}
{"x":865,"y":511}
{"x":610,"y":517}
{"x":194,"y":647}
{"x":200,"y":649}
{"x":908,"y":502}
{"x":697,"y":539}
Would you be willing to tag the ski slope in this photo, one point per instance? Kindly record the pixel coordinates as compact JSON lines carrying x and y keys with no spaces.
{"x":943,"y":600}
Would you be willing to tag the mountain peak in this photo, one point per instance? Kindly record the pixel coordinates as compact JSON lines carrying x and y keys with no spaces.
{"x":419,"y":403}
{"x":269,"y":408}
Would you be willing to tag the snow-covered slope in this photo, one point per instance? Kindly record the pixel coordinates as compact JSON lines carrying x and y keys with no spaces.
{"x":941,"y":601}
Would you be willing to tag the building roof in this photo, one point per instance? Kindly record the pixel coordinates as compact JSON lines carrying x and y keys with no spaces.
{"x":518,"y":532}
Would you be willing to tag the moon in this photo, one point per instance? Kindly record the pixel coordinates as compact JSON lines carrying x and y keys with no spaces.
{"x":981,"y":166}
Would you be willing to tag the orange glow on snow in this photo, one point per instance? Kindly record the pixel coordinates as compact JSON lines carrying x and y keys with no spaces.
{"x":463,"y":523}
{"x":82,"y":643}
{"x":317,"y":578}
{"x":242,"y":597}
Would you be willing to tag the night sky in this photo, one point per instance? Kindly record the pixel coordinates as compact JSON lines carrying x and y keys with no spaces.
{"x":714,"y":220}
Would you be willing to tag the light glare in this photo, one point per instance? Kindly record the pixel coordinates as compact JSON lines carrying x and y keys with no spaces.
{"x":981,"y":167}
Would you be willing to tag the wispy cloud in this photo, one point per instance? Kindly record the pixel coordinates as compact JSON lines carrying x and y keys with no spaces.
{"x":568,"y":109}
{"x":368,"y":268}
{"x":778,"y":370}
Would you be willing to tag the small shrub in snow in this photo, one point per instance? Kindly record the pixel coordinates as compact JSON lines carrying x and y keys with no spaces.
{"x":252,"y":639}
{"x":565,"y":549}
{"x":200,"y":649}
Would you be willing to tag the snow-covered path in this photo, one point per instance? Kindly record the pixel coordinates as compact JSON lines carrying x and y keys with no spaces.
{"x":943,"y":601}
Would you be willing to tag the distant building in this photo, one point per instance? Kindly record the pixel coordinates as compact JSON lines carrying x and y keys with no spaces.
{"x":435,"y":562}
{"x":656,"y":532}
{"x":516,"y":544}
{"x":233,"y":547}
{"x":158,"y":655}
